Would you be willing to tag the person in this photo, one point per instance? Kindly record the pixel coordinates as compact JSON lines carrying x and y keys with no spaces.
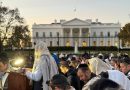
{"x":115,"y":63}
{"x":105,"y":84}
{"x":54,"y":55}
{"x":70,"y":73}
{"x":4,"y":64}
{"x":97,"y":65}
{"x":125,"y":66}
{"x":59,"y":82}
{"x":85,"y":74}
{"x":44,"y":66}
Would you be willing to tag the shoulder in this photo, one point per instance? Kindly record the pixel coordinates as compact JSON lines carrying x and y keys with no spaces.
{"x":89,"y":83}
{"x":72,"y":88}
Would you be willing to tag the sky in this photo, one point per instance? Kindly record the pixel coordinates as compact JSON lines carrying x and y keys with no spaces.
{"x":46,"y":11}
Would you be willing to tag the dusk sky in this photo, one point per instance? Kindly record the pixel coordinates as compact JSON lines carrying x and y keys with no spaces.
{"x":46,"y":11}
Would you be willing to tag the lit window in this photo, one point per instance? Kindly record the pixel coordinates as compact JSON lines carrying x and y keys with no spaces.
{"x":116,"y":43}
{"x":84,"y":44}
{"x":67,"y":43}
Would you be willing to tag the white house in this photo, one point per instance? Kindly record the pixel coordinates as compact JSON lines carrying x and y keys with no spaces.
{"x":84,"y":32}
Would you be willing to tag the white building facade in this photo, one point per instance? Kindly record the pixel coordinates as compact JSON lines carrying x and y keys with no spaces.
{"x":84,"y":32}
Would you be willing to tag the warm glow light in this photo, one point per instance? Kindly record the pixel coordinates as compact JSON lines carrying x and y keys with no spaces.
{"x":116,"y":44}
{"x":19,"y":61}
{"x":67,"y":43}
{"x":84,"y":44}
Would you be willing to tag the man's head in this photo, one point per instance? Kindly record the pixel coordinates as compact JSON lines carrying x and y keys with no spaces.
{"x":84,"y":72}
{"x":3,"y":62}
{"x":59,"y":82}
{"x":125,"y":64}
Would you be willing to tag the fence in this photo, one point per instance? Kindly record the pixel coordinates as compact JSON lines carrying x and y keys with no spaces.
{"x":68,"y":43}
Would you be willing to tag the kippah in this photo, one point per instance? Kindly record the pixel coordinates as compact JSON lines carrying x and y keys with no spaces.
{"x":83,"y":66}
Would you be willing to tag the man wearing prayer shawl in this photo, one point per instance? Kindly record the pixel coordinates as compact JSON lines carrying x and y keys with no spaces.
{"x":44,"y":65}
{"x":97,"y":66}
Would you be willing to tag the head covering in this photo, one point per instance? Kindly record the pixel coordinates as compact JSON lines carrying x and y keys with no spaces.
{"x":40,"y":49}
{"x":86,"y":55}
{"x":96,"y":65}
{"x":61,"y":55}
{"x":120,"y":78}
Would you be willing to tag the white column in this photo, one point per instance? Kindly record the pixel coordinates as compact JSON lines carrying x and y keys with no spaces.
{"x":80,"y":35}
{"x":89,"y":39}
{"x":71,"y":35}
{"x":61,"y":39}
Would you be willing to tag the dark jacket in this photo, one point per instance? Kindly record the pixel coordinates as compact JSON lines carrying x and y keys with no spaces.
{"x":73,"y":79}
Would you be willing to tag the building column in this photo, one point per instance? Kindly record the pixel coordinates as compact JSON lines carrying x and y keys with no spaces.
{"x":71,"y":37}
{"x":80,"y":35}
{"x":89,"y":38}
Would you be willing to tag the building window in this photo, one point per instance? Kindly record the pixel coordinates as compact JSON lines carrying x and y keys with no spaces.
{"x":109,"y":43}
{"x":50,"y":43}
{"x":101,"y":43}
{"x":116,"y":43}
{"x":101,"y":34}
{"x":57,"y":34}
{"x":94,"y":43}
{"x":108,"y":34}
{"x":116,"y":34}
{"x":94,"y":34}
{"x":44,"y":34}
{"x":68,"y":43}
{"x":37,"y":35}
{"x":50,"y":34}
{"x":84,"y":43}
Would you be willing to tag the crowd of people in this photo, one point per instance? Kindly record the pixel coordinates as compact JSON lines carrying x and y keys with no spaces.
{"x":72,"y":72}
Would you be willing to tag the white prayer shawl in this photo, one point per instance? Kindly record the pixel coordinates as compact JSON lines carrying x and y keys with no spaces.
{"x":115,"y":76}
{"x":45,"y":69}
{"x":89,"y":83}
{"x":119,"y":78}
{"x":97,"y":66}
{"x":44,"y":66}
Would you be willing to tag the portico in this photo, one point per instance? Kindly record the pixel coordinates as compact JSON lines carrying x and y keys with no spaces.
{"x":77,"y":34}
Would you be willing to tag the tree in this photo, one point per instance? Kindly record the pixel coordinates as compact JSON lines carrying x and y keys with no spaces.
{"x":20,"y":36}
{"x":10,"y":22}
{"x":124,"y":34}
